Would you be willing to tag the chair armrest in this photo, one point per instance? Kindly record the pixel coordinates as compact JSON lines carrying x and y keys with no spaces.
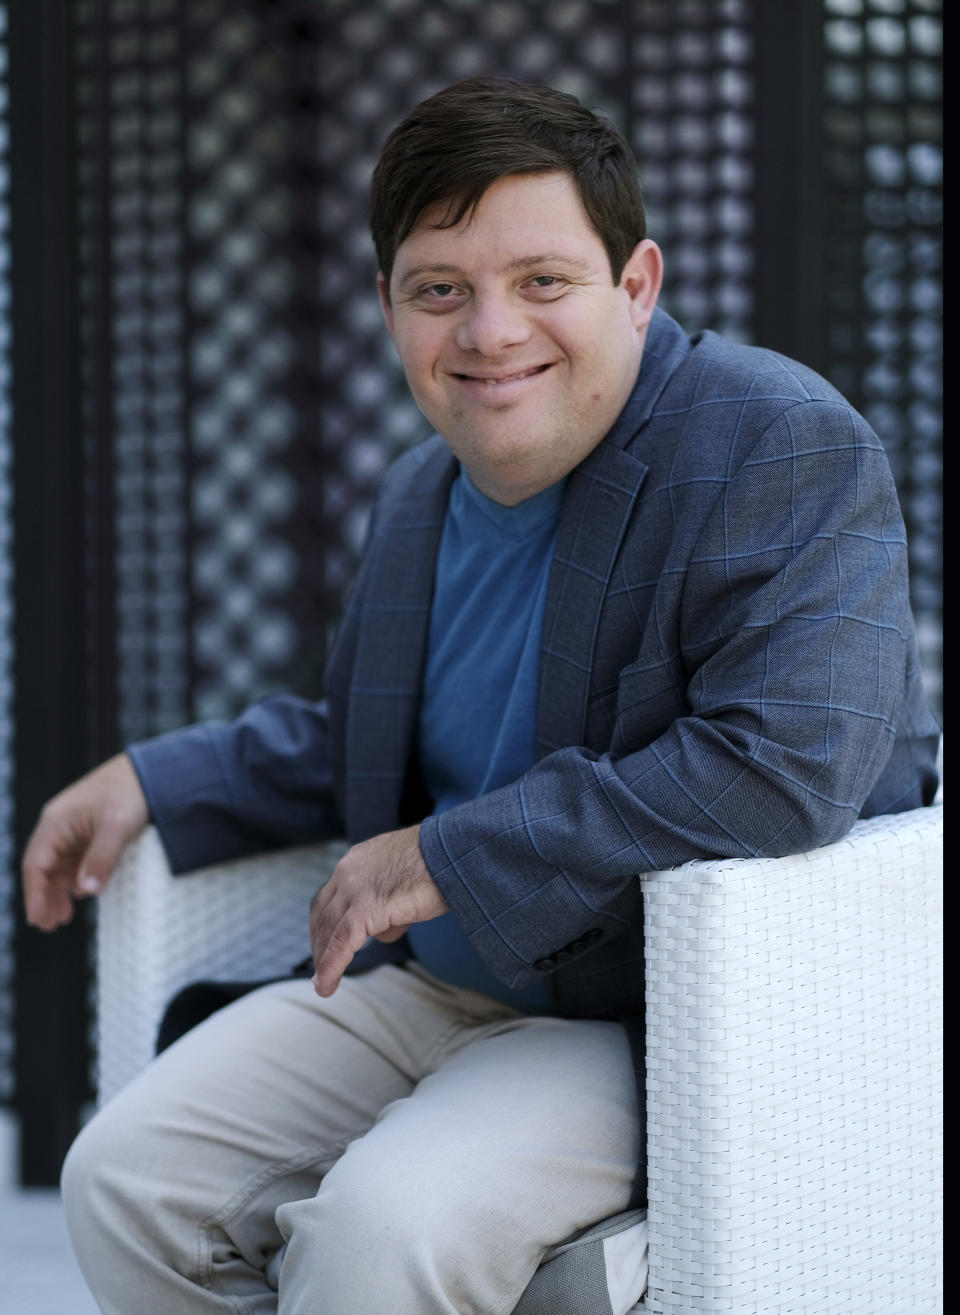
{"x":793,"y":1077}
{"x":156,"y":933}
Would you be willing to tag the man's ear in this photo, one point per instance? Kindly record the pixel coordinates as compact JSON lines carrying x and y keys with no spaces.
{"x":384,"y":294}
{"x":642,"y":278}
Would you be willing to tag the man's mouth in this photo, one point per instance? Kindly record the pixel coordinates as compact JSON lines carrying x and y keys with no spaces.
{"x":502,"y":380}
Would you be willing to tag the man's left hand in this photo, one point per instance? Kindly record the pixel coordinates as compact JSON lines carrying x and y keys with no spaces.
{"x":379,"y":888}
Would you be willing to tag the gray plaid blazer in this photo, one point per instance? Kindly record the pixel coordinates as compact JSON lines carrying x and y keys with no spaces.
{"x":729,"y":668}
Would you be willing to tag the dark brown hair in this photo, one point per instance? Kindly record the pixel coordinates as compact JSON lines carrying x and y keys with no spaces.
{"x":457,"y":143}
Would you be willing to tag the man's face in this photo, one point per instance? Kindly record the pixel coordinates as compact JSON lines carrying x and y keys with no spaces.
{"x":517,"y":345}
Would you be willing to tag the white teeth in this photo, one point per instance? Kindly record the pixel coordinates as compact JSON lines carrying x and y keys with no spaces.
{"x":507,"y":379}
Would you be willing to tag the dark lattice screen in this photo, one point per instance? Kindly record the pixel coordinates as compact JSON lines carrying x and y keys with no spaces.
{"x":240,"y":397}
{"x":252,"y":200}
{"x":884,"y":175}
{"x":131,"y":180}
{"x":239,"y":369}
{"x":254,"y":397}
{"x":7,"y":878}
{"x":692,"y":114}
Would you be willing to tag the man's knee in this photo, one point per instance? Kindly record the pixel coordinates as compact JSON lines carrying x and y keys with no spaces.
{"x":370,"y":1207}
{"x":93,"y":1176}
{"x":403,"y":1233}
{"x":79,"y":1170}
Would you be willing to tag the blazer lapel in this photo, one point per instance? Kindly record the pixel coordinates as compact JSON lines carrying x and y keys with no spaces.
{"x":391,"y":648}
{"x":596,"y":512}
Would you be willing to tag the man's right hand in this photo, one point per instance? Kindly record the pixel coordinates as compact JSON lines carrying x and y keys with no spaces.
{"x":81,"y":834}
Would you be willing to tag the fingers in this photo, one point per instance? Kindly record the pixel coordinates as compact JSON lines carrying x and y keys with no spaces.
{"x":78,"y":839}
{"x":379,"y":888}
{"x":338,"y":929}
{"x":96,"y":867}
{"x":344,"y":914}
{"x":47,"y":872}
{"x":54,"y":876}
{"x":47,"y":901}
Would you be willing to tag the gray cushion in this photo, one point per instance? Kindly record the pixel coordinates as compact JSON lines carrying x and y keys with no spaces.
{"x":600,"y":1271}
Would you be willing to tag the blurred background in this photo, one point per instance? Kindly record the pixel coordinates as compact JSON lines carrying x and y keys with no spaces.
{"x":196,"y":395}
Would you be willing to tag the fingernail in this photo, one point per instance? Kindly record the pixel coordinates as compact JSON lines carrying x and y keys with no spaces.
{"x":88,"y":883}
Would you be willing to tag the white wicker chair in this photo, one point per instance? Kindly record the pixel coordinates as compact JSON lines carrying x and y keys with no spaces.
{"x":792,"y":1052}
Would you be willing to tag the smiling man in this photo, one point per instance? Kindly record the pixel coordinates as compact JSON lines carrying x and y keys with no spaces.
{"x":521,"y":357}
{"x":641,"y":598}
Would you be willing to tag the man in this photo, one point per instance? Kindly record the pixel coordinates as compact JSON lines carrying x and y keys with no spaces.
{"x":641,"y":599}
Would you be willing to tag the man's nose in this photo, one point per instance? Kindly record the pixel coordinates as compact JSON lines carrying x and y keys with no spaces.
{"x":491,"y":324}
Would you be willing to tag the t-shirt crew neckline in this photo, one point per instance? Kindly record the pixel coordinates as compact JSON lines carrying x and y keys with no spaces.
{"x":522,"y":518}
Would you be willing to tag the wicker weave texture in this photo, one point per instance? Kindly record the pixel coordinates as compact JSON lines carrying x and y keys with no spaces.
{"x":792,"y":1049}
{"x":793,"y":1078}
{"x":156,"y":933}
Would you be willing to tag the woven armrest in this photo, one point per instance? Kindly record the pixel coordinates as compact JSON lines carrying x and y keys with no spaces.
{"x":156,"y":933}
{"x":793,"y":1080}
{"x":793,"y":1060}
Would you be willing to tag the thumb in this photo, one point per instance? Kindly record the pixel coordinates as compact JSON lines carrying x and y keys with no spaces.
{"x":392,"y":933}
{"x":103,"y":853}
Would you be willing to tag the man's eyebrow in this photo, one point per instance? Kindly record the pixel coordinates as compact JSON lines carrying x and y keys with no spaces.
{"x":418,"y":271}
{"x":550,"y":258}
{"x":521,"y":262}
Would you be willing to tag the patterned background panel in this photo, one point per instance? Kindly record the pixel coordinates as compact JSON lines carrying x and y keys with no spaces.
{"x":882,"y":116}
{"x":248,"y":397}
{"x":7,"y":855}
{"x":240,"y":396}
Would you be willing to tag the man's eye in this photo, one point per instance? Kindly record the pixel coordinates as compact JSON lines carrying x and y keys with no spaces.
{"x":546,"y":283}
{"x":439,"y":289}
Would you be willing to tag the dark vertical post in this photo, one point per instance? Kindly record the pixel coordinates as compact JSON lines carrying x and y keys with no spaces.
{"x":94,"y":433}
{"x":790,"y":268}
{"x":50,"y":665}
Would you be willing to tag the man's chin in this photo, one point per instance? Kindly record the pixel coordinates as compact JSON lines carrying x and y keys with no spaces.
{"x":508,"y":475}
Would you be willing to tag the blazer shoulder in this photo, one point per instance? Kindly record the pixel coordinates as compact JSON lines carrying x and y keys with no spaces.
{"x":727,"y":394}
{"x":758,"y":373}
{"x":728,"y":405}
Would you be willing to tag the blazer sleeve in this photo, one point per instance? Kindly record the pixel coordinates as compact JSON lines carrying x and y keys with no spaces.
{"x":795,"y":637}
{"x":218,"y":791}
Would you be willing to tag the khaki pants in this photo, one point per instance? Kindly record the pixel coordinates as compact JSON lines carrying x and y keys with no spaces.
{"x":417,"y":1146}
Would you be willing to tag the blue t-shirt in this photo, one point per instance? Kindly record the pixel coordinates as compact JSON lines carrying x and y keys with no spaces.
{"x":478,"y":708}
